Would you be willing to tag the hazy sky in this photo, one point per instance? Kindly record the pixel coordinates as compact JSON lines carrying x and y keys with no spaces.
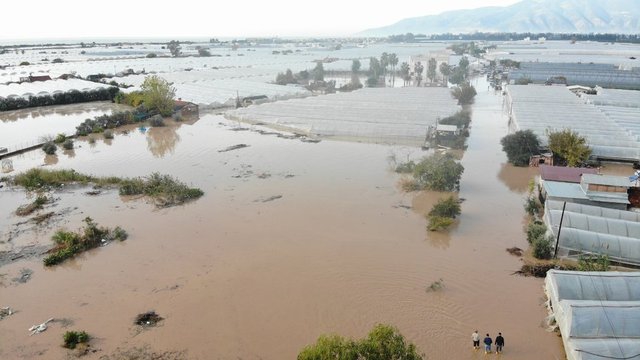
{"x":217,"y":18}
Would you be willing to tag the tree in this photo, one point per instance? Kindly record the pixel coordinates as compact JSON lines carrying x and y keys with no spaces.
{"x":355,"y":68}
{"x":383,"y":342}
{"x":404,"y":72}
{"x":569,"y":146}
{"x":204,"y":52}
{"x":174,"y":47}
{"x":464,"y":93}
{"x":318,"y":72}
{"x":464,"y":64}
{"x":158,"y":95}
{"x":445,"y":70}
{"x":520,"y":146}
{"x":384,"y":63}
{"x":431,"y":69}
{"x":418,"y":68}
{"x":393,"y":61}
{"x":438,"y":172}
{"x":375,"y":68}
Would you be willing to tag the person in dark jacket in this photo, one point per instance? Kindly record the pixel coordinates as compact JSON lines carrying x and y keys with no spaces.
{"x":487,"y":344}
{"x":499,"y":343}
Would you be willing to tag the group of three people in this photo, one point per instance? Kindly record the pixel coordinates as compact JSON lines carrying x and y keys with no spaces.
{"x":488,"y":342}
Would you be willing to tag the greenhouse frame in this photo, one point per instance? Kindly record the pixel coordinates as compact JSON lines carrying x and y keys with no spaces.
{"x":597,"y":313}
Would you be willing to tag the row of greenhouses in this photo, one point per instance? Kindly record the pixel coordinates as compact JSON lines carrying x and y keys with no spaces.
{"x":50,"y":87}
{"x":597,"y":313}
{"x":389,"y":115}
{"x":544,"y":109}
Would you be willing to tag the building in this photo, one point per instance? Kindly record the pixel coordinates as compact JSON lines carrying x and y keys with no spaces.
{"x":593,"y":189}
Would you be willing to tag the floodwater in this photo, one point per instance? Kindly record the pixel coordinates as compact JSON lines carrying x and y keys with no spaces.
{"x":238,"y":276}
{"x":27,"y":126}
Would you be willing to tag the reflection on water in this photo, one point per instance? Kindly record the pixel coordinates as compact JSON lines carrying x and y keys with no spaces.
{"x":50,"y":159}
{"x":162,"y":140}
{"x":517,"y":178}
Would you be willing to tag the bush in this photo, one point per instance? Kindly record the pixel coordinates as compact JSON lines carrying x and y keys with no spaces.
{"x":532,"y":206}
{"x":437,"y":223}
{"x":405,"y":168}
{"x":465,"y":93}
{"x":535,"y":230}
{"x":164,"y":189}
{"x":156,"y":121}
{"x":57,"y":61}
{"x":49,"y":148}
{"x":593,"y":262}
{"x":73,"y":338}
{"x":100,"y":123}
{"x":60,"y":138}
{"x":461,"y":119}
{"x":108,"y":134}
{"x":449,"y":207}
{"x":383,"y":342}
{"x":438,"y":172}
{"x":542,"y":247}
{"x":151,"y":55}
{"x":520,"y":146}
{"x":67,"y":144}
{"x":25,"y":63}
{"x":39,"y":178}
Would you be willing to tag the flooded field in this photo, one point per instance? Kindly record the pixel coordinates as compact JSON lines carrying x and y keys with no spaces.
{"x":290,"y":241}
{"x":27,"y":126}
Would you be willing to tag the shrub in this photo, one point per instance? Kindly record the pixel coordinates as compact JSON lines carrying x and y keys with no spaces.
{"x":520,"y":146}
{"x":38,"y":178}
{"x":177,"y":116}
{"x":464,"y":93}
{"x":156,"y":121}
{"x":119,"y":234}
{"x":593,"y":262}
{"x":437,"y":223}
{"x":449,"y":207}
{"x":28,"y":209}
{"x":164,"y":189}
{"x":108,"y":134}
{"x":49,"y":148}
{"x":535,"y":230}
{"x":57,"y":61}
{"x":60,"y":138}
{"x":68,"y":144}
{"x":73,"y":338}
{"x":152,"y":55}
{"x":438,"y":172}
{"x":406,"y":168}
{"x":25,"y":63}
{"x":461,"y":119}
{"x":542,"y":247}
{"x":532,"y":206}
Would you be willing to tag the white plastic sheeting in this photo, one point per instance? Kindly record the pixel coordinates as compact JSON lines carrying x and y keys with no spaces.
{"x":616,"y":234}
{"x":48,"y":87}
{"x":598,"y":313}
{"x":555,"y":108}
{"x":389,"y":115}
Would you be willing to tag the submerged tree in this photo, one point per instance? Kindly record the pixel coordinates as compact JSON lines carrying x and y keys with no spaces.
{"x":175,"y":48}
{"x":418,"y":68}
{"x":404,"y":73}
{"x":569,"y":146}
{"x":445,"y":70}
{"x":431,"y":69}
{"x":318,"y":72}
{"x":158,"y":95}
{"x":464,"y":93}
{"x":520,"y":146}
{"x":438,"y":172}
{"x":393,"y":61}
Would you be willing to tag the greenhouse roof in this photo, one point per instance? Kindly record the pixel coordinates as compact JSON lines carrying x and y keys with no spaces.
{"x":556,"y":189}
{"x":610,"y":180}
{"x":563,"y":173}
{"x":390,"y":115}
{"x":610,"y":135}
{"x":598,"y":313}
{"x":26,"y":89}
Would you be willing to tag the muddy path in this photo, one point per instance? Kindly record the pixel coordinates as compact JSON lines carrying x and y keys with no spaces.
{"x":338,"y":249}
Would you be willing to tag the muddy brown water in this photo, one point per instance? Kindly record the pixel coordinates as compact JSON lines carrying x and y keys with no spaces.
{"x":237,"y":277}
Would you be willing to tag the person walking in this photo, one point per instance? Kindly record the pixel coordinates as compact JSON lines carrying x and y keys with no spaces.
{"x":499,"y":343}
{"x":487,"y":344}
{"x":476,"y":340}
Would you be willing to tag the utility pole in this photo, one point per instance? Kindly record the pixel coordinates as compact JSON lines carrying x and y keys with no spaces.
{"x":555,"y":252}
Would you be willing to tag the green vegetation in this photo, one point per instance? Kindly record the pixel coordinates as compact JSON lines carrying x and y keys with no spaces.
{"x":60,"y":138}
{"x":49,"y":148}
{"x":383,"y":342}
{"x":532,"y":206}
{"x":73,"y":338}
{"x":465,"y":93}
{"x":67,"y":144}
{"x":542,"y":247}
{"x":520,"y":146}
{"x":593,"y":262}
{"x":106,"y":121}
{"x":175,"y":48}
{"x":156,"y":121}
{"x":164,"y":189}
{"x":436,"y":172}
{"x":461,"y":119}
{"x":436,"y":285}
{"x":37,"y":204}
{"x":569,"y":147}
{"x":158,"y":95}
{"x":443,"y":213}
{"x":69,"y":97}
{"x":204,"y":52}
{"x":108,"y":134}
{"x":69,"y":244}
{"x":535,"y":230}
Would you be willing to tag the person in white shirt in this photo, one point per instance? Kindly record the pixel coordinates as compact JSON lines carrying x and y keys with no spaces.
{"x":476,"y":339}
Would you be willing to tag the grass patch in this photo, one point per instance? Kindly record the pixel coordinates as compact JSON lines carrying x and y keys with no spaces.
{"x":28,"y":209}
{"x":73,"y":338}
{"x":69,"y":244}
{"x":443,"y":213}
{"x":149,"y":318}
{"x":163,"y":189}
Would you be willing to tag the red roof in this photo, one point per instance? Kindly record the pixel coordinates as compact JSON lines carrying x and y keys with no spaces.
{"x":564,"y":174}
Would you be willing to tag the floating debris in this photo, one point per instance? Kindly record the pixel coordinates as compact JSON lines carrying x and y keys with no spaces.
{"x":5,"y":311}
{"x":147,"y":319}
{"x":515,"y":251}
{"x":271,"y":198}
{"x":234,"y":147}
{"x":36,"y":329}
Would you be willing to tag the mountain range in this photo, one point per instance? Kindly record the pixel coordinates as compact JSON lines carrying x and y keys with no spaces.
{"x":535,"y":16}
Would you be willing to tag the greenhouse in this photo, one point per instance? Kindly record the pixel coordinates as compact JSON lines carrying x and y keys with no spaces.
{"x":387,"y":115}
{"x":598,"y":313}
{"x":51,"y":87}
{"x":554,"y":108}
{"x":605,"y":75}
{"x":591,"y":229}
